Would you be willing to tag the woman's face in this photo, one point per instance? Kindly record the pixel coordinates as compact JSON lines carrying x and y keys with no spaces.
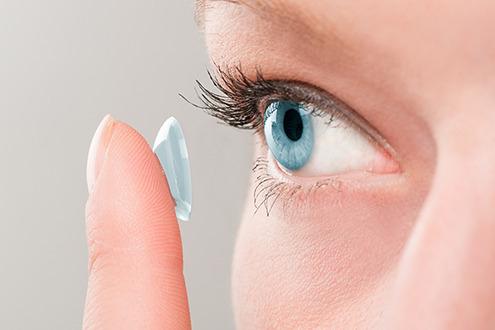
{"x":391,"y":221}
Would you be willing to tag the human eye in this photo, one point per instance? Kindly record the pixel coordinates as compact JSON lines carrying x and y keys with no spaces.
{"x":306,"y":141}
{"x":310,"y":136}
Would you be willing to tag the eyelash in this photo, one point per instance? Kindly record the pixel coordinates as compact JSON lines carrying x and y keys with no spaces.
{"x":238,"y":104}
{"x":268,"y":190}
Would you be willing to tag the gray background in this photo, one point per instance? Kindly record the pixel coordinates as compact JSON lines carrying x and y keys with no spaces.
{"x":64,"y":64}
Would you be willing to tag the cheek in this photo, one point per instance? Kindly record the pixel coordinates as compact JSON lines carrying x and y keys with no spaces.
{"x":326,"y":264}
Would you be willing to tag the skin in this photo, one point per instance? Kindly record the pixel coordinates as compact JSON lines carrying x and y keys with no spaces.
{"x":409,"y":250}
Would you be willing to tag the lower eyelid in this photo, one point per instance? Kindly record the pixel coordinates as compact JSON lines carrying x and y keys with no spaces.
{"x":355,"y":177}
{"x":275,"y":190}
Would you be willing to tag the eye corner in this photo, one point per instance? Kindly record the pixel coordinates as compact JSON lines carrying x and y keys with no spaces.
{"x":386,"y":162}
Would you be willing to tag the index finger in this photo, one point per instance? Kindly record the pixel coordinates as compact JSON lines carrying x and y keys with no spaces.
{"x":135,"y":253}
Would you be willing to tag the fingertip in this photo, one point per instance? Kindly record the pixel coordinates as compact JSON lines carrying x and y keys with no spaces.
{"x":131,"y":193}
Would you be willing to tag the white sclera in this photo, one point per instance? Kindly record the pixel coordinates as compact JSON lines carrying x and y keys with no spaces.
{"x":338,"y":148}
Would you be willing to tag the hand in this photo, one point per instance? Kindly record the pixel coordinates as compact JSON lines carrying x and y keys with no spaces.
{"x":135,"y":253}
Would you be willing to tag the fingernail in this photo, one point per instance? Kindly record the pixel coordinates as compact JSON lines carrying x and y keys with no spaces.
{"x":98,"y":150}
{"x":170,"y":148}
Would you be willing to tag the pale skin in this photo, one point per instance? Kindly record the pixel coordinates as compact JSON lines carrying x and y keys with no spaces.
{"x":413,"y":249}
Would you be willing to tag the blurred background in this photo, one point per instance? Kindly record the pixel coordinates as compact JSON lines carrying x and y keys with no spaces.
{"x":64,"y":64}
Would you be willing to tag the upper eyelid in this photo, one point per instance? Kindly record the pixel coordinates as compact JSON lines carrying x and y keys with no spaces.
{"x":333,"y":106}
{"x":326,"y":104}
{"x":309,"y":95}
{"x":322,"y":104}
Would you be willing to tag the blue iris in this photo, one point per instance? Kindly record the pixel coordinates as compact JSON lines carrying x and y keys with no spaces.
{"x":289,"y":133}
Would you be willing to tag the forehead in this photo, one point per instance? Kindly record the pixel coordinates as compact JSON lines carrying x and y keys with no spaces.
{"x":391,"y":16}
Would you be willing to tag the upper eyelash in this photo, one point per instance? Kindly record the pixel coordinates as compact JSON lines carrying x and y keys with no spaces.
{"x":239,"y":99}
{"x":236,"y":103}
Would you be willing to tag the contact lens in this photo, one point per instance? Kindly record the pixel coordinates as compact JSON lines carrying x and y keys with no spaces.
{"x":289,"y":133}
{"x":170,"y":148}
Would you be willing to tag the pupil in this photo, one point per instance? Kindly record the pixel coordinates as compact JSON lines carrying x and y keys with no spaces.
{"x":293,"y":125}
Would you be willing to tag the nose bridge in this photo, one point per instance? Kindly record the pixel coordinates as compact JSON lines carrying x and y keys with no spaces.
{"x":464,"y":180}
{"x":446,"y":278}
{"x":465,"y":169}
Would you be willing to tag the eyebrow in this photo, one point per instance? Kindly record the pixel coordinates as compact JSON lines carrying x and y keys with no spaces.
{"x":278,"y":11}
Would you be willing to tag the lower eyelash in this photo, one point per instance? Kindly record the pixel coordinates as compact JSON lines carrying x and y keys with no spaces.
{"x":269,"y":190}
